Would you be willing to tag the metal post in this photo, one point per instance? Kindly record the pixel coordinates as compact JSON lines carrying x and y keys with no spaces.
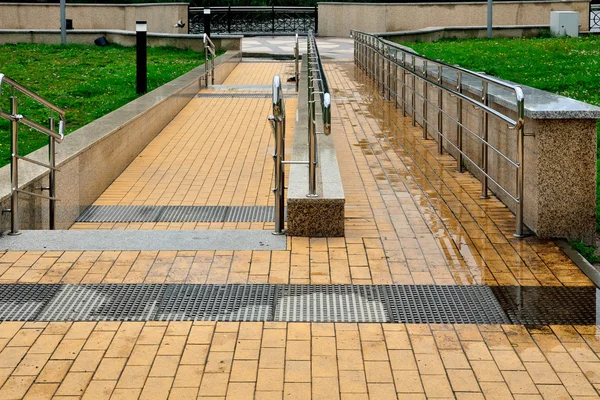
{"x":229,"y":19}
{"x":52,"y":176}
{"x":521,"y":158}
{"x":459,"y":132}
{"x":489,"y":19}
{"x":484,"y":148}
{"x":63,"y":21}
{"x":278,"y":121}
{"x":14,"y":168}
{"x":440,"y":114}
{"x":297,"y":62}
{"x":402,"y":70}
{"x":425,"y":98}
{"x":141,"y":28}
{"x":316,"y":20}
{"x":414,"y":93}
{"x":273,"y":19}
{"x":207,"y":21}
{"x":389,"y":74}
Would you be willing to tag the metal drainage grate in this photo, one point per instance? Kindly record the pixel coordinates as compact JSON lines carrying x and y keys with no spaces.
{"x":309,"y":303}
{"x":115,"y":302}
{"x":240,"y":95}
{"x":24,"y":302}
{"x":531,"y":305}
{"x":331,"y":303}
{"x":217,"y":303}
{"x":416,"y":304}
{"x":177,"y":214}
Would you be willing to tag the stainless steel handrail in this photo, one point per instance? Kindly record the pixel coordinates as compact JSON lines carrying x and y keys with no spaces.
{"x":53,"y":137}
{"x":278,"y":121}
{"x":376,"y":57}
{"x":317,"y":86}
{"x":209,"y":48}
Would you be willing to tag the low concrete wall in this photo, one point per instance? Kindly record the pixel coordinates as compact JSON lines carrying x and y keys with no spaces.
{"x":338,"y":19}
{"x":463,"y":32}
{"x":92,"y":157}
{"x":161,"y":17}
{"x":559,"y":150}
{"x":124,"y":38}
{"x":320,"y":216}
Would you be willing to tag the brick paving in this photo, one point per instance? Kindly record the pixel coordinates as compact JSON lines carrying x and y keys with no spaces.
{"x":410,"y":218}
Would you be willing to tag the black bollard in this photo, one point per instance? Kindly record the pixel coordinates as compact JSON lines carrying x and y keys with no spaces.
{"x":141,"y":28}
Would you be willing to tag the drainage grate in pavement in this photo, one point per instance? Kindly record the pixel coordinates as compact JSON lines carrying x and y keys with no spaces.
{"x":331,"y":303}
{"x":531,"y":305}
{"x":177,"y":214}
{"x":184,"y":302}
{"x":417,"y":304}
{"x":309,"y":303}
{"x":24,"y":302}
{"x":240,"y":95}
{"x":118,"y":302}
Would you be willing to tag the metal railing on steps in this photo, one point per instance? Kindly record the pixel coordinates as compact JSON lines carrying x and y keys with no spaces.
{"x":210,"y":53}
{"x":53,"y":137}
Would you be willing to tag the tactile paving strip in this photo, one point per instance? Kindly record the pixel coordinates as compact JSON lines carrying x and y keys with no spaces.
{"x":177,"y":214}
{"x":309,"y":303}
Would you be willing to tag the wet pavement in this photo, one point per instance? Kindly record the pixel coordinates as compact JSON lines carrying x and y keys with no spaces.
{"x":457,"y":307}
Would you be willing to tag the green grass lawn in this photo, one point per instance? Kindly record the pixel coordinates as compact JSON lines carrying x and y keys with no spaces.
{"x":567,"y":66}
{"x":87,"y":81}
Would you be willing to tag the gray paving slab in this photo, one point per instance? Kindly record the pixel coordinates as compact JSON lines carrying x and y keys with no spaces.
{"x":81,"y":240}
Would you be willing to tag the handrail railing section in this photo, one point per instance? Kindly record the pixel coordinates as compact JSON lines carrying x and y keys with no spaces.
{"x":53,"y":137}
{"x":396,"y":69}
{"x":210,"y":53}
{"x":317,"y":88}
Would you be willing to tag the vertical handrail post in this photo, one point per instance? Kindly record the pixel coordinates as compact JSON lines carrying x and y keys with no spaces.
{"x":425,"y":98}
{"x":484,"y":144}
{"x":14,"y":167}
{"x":403,"y":84}
{"x":519,"y":231}
{"x":440,"y":114}
{"x":52,"y":177}
{"x":297,"y":63}
{"x":414,"y":92}
{"x":459,"y":128}
{"x":278,"y":121}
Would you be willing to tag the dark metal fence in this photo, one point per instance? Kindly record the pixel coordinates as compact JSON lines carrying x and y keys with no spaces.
{"x":595,"y":18}
{"x":255,"y":20}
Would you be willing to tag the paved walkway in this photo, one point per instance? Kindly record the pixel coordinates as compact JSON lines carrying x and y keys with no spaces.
{"x":284,"y":45}
{"x":410,"y":218}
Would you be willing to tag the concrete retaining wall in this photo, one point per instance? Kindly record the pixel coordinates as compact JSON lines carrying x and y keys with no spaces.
{"x":161,"y":17}
{"x":338,"y":19}
{"x":124,"y":38}
{"x":92,"y":157}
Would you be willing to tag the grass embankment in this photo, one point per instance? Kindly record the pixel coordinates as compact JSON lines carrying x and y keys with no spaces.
{"x":87,"y":81}
{"x":567,"y":66}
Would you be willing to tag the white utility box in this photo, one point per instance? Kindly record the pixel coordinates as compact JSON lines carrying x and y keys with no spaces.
{"x":564,"y":23}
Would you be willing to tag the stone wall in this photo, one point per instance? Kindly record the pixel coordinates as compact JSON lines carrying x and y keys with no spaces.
{"x":161,"y":17}
{"x":338,"y":19}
